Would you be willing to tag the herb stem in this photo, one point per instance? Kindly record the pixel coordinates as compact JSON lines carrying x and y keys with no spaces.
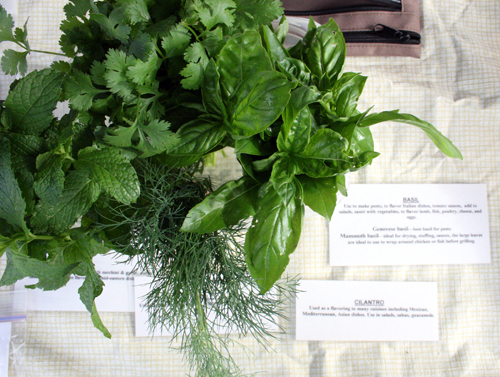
{"x":47,"y":52}
{"x":192,"y":31}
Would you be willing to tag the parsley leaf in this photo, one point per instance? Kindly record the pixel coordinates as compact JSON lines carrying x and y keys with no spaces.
{"x":213,"y":12}
{"x":6,"y":26}
{"x":114,"y":25}
{"x":14,"y":62}
{"x":80,"y":90}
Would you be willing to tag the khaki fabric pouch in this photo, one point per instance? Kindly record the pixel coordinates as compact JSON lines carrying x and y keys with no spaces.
{"x":370,"y":27}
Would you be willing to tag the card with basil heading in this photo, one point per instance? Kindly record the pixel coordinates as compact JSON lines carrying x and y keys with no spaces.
{"x":411,"y":224}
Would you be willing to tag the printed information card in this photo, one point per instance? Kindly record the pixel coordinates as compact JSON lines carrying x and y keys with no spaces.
{"x":402,"y":224}
{"x":367,"y":311}
{"x":117,"y":295}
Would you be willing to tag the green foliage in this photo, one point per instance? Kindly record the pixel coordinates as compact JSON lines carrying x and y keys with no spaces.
{"x":154,"y":88}
{"x":201,"y":282}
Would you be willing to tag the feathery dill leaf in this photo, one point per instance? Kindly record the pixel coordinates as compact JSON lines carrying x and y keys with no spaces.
{"x":201,"y":289}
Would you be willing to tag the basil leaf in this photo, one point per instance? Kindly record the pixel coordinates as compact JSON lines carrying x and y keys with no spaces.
{"x":346,"y":93}
{"x":12,"y":204}
{"x":241,"y":57}
{"x":295,"y":70}
{"x":30,"y":104}
{"x":258,"y":102}
{"x":326,"y":55}
{"x":273,"y":236}
{"x":211,"y":91}
{"x":196,"y":138}
{"x":226,"y":206}
{"x":282,"y":176}
{"x":325,"y":155}
{"x":320,"y":194}
{"x":443,"y":143}
{"x":274,"y":46}
{"x":253,"y":145}
{"x":296,"y":128}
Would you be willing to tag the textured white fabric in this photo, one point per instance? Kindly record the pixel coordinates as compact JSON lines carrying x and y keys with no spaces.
{"x":456,"y":86}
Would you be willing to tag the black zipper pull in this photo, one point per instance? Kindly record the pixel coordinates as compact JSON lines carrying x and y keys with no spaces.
{"x":402,"y":35}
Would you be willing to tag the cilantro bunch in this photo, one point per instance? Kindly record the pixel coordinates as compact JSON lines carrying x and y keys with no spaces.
{"x":167,"y":83}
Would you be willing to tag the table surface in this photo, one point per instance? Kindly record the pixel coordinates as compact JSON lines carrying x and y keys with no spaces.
{"x":456,"y":86}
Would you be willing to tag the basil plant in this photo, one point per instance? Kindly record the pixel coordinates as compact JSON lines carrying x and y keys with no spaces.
{"x":291,"y":116}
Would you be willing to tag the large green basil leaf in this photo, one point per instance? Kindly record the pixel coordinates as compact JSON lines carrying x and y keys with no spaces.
{"x":211,"y":92}
{"x":226,"y":206}
{"x":12,"y":204}
{"x":197,"y":138}
{"x":273,"y":236}
{"x":320,"y":194}
{"x":326,"y":55}
{"x":282,"y":175}
{"x":253,"y":145}
{"x":296,"y":128}
{"x":295,"y":70}
{"x":274,"y":46}
{"x":361,"y":141}
{"x":295,"y":136}
{"x":346,"y":93}
{"x":258,"y":102}
{"x":442,"y":142}
{"x":242,"y":56}
{"x":325,"y":155}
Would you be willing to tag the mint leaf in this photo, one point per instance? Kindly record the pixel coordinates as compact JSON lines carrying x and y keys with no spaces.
{"x":82,"y":251}
{"x":30,"y":105}
{"x":49,"y":180}
{"x":51,"y":275}
{"x":79,"y":193}
{"x":12,"y":204}
{"x":14,"y":62}
{"x":113,"y":172}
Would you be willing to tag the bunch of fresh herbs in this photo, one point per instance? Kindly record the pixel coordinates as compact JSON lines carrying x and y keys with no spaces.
{"x":154,"y":87}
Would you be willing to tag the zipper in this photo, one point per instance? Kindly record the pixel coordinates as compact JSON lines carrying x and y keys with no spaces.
{"x":382,"y":34}
{"x":375,"y":5}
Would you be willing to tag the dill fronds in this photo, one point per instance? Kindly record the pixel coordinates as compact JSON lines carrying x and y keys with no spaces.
{"x":201,"y":289}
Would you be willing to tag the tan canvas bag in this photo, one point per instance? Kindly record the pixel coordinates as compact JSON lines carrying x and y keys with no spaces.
{"x":370,"y":27}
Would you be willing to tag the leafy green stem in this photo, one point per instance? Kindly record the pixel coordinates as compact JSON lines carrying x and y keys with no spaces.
{"x":46,"y":52}
{"x":192,"y":31}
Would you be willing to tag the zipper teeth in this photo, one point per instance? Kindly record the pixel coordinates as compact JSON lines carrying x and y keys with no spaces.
{"x":370,"y":36}
{"x":342,"y":10}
